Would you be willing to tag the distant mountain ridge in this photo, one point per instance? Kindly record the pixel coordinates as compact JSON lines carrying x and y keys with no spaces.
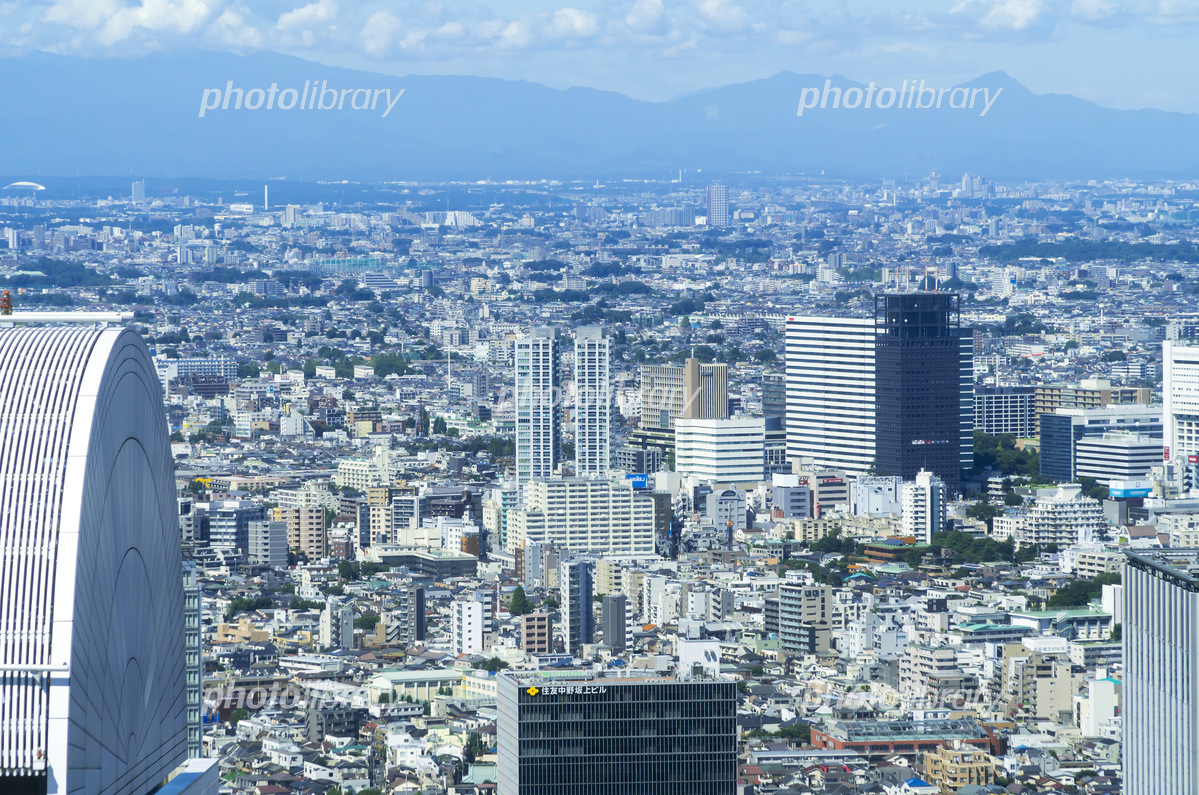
{"x":174,"y":116}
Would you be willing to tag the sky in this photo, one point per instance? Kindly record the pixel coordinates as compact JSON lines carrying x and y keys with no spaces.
{"x":1118,"y":53}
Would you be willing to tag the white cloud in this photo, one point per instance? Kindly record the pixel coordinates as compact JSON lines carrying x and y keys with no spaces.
{"x":721,"y":16}
{"x":571,"y":23}
{"x":314,"y":15}
{"x":647,"y":17}
{"x":1011,"y":15}
{"x":1093,"y":10}
{"x":380,"y":33}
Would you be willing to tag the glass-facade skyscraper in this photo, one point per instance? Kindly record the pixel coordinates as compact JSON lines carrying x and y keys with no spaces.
{"x":616,"y":736}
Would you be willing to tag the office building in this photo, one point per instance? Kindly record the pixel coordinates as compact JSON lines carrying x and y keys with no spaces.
{"x":268,"y":544}
{"x":594,"y":402}
{"x":1116,"y":456}
{"x":576,"y":587}
{"x":1064,"y":429}
{"x":830,"y":392}
{"x":924,"y":507}
{"x":616,"y":736}
{"x":536,"y":633}
{"x":1005,"y":409}
{"x":729,"y":451}
{"x":918,"y":386}
{"x":538,"y":387}
{"x":466,"y":627}
{"x":139,"y":191}
{"x":92,"y":634}
{"x":1180,"y":398}
{"x":614,"y":622}
{"x":1160,"y":705}
{"x":889,"y":394}
{"x":1090,"y":393}
{"x":774,"y":398}
{"x":336,"y":629}
{"x":585,"y":515}
{"x":718,"y":205}
{"x":694,"y":391}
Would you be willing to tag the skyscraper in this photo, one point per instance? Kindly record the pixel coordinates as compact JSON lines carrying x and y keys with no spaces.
{"x":891,"y":392}
{"x":1180,"y":398}
{"x":718,"y":205}
{"x":538,"y":386}
{"x":139,"y":191}
{"x":830,"y":391}
{"x":1160,"y":629}
{"x":575,"y":578}
{"x":593,"y":402}
{"x":94,"y":686}
{"x":918,"y":388}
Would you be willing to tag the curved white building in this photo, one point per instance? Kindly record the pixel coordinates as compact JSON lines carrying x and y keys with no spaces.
{"x":92,"y":684}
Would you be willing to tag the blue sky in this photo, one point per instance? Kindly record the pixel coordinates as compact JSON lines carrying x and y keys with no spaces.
{"x":1119,"y":53}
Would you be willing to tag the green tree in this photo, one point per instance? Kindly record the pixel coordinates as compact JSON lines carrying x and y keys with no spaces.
{"x":310,"y":368}
{"x":439,"y":426}
{"x":493,"y":665}
{"x":1013,"y":499}
{"x":367,"y":621}
{"x":348,"y":571}
{"x":520,"y":602}
{"x":238,"y":715}
{"x":248,"y":370}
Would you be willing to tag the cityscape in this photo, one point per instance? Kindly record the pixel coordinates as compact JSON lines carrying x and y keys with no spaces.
{"x":679,"y":486}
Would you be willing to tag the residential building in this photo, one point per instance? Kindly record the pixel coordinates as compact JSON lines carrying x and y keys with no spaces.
{"x":1006,"y":409}
{"x":924,"y":507}
{"x":594,"y":402}
{"x":229,"y":522}
{"x":268,"y":544}
{"x":951,"y":767}
{"x":585,"y":515}
{"x":466,"y":627}
{"x":1064,"y":517}
{"x":575,"y":586}
{"x":614,"y":622}
{"x":538,"y":390}
{"x":337,"y":625}
{"x":718,"y":205}
{"x":805,"y":617}
{"x":616,"y":735}
{"x":306,"y":531}
{"x":536,"y":633}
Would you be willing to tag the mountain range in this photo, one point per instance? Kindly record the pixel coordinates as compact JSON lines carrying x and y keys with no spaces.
{"x":174,"y":115}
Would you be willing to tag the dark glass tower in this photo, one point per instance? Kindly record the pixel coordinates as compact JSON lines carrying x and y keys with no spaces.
{"x":918,"y":385}
{"x":616,"y":736}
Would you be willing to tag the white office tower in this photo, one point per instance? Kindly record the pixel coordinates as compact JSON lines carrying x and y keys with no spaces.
{"x":731,"y":450}
{"x":466,"y":627}
{"x":1161,"y":684}
{"x":538,"y":404}
{"x":593,"y":402}
{"x":830,"y":392}
{"x":337,"y":626}
{"x":923,"y":506}
{"x":93,"y":691}
{"x":1180,"y":396}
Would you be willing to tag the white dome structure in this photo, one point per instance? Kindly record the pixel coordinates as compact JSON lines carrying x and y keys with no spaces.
{"x":92,"y":678}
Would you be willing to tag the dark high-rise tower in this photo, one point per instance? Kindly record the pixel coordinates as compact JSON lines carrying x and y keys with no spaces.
{"x":917,"y":385}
